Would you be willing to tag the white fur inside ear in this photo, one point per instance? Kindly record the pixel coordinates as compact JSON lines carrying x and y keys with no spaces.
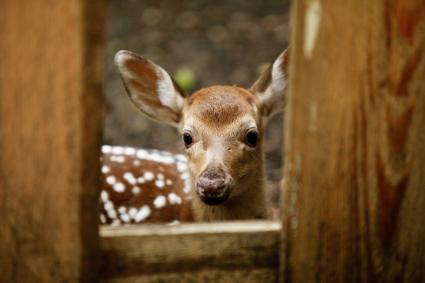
{"x":275,"y":92}
{"x":279,"y":81}
{"x":167,"y":93}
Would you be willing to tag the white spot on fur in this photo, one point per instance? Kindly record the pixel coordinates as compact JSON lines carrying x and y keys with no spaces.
{"x":187,"y":183}
{"x":135,"y":190}
{"x":141,"y":154}
{"x":132,"y":212}
{"x":311,"y":26}
{"x":156,"y":156}
{"x":104,"y":196}
{"x":174,"y":199}
{"x":181,"y":166}
{"x":117,"y":158}
{"x":160,"y":176}
{"x":117,"y":150}
{"x":108,"y":205}
{"x":159,"y":201}
{"x":119,"y":187}
{"x":161,"y":158}
{"x":141,"y":180}
{"x":148,"y":176}
{"x":111,"y":213}
{"x":129,"y":177}
{"x":111,"y":180}
{"x":122,"y":209}
{"x":160,"y":184}
{"x":186,"y":188}
{"x":136,"y":162}
{"x":106,"y":149}
{"x":105,"y":169}
{"x":102,"y":218}
{"x":129,"y":151}
{"x":181,"y":157}
{"x":168,"y":182}
{"x":142,"y":214}
{"x":125,"y":218}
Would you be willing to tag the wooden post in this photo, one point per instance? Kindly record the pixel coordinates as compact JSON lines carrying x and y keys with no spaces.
{"x":50,"y":110}
{"x":355,"y":143}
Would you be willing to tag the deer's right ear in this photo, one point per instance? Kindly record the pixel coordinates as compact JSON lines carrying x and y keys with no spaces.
{"x":150,"y":88}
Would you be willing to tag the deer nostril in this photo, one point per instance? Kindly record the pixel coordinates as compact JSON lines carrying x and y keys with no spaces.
{"x":211,"y":184}
{"x":212,"y":191}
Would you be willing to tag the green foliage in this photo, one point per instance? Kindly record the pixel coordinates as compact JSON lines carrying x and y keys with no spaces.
{"x":185,"y":78}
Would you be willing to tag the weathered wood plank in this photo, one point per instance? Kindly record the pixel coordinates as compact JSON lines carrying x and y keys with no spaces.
{"x":249,"y":275}
{"x":50,"y":110}
{"x":355,"y":143}
{"x":233,"y":252}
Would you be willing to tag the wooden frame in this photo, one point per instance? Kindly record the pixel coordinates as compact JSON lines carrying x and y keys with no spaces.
{"x":219,"y":252}
{"x":353,"y":200}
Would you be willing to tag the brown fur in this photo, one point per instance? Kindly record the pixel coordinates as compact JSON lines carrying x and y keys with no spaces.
{"x":148,"y":190}
{"x":220,"y":112}
{"x":221,"y":104}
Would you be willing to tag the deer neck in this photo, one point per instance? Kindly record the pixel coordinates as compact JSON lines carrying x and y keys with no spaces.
{"x":251,"y":204}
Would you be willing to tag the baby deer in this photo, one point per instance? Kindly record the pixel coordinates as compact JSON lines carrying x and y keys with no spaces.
{"x":222,"y":128}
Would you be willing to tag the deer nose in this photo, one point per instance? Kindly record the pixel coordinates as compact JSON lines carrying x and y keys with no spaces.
{"x":212,"y":187}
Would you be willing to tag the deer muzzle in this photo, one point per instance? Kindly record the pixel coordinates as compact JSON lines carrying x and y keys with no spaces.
{"x":213,"y":186}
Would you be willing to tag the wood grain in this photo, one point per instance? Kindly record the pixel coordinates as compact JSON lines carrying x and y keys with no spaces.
{"x":355,"y":143}
{"x":50,"y":110}
{"x":218,"y":252}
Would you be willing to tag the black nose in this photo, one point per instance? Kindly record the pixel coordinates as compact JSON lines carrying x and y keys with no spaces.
{"x":212,"y":187}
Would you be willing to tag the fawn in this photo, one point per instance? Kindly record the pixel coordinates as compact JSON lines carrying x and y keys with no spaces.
{"x":222,"y":128}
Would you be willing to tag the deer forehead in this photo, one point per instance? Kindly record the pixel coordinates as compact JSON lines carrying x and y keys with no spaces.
{"x":220,"y":106}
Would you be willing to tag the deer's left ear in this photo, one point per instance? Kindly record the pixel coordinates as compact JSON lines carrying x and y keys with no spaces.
{"x":271,"y":86}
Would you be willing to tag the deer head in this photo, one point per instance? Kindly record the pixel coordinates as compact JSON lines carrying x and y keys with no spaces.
{"x":222,"y":127}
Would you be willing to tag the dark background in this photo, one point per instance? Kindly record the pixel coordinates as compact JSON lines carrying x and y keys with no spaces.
{"x":212,"y":42}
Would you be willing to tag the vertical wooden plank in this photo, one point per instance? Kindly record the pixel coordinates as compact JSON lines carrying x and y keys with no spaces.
{"x":50,"y":110}
{"x":355,"y":143}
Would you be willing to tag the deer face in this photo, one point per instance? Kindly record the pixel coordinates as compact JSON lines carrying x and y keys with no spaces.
{"x":221,"y":129}
{"x":221,"y":126}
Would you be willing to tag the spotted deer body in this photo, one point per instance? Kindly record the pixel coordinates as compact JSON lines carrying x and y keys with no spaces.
{"x":143,"y":186}
{"x":222,"y":128}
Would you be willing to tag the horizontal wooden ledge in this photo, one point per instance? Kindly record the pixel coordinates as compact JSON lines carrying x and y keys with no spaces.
{"x":190,"y":250}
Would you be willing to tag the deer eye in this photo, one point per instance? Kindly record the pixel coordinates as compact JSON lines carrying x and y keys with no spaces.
{"x":188,"y":140}
{"x":251,"y":138}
